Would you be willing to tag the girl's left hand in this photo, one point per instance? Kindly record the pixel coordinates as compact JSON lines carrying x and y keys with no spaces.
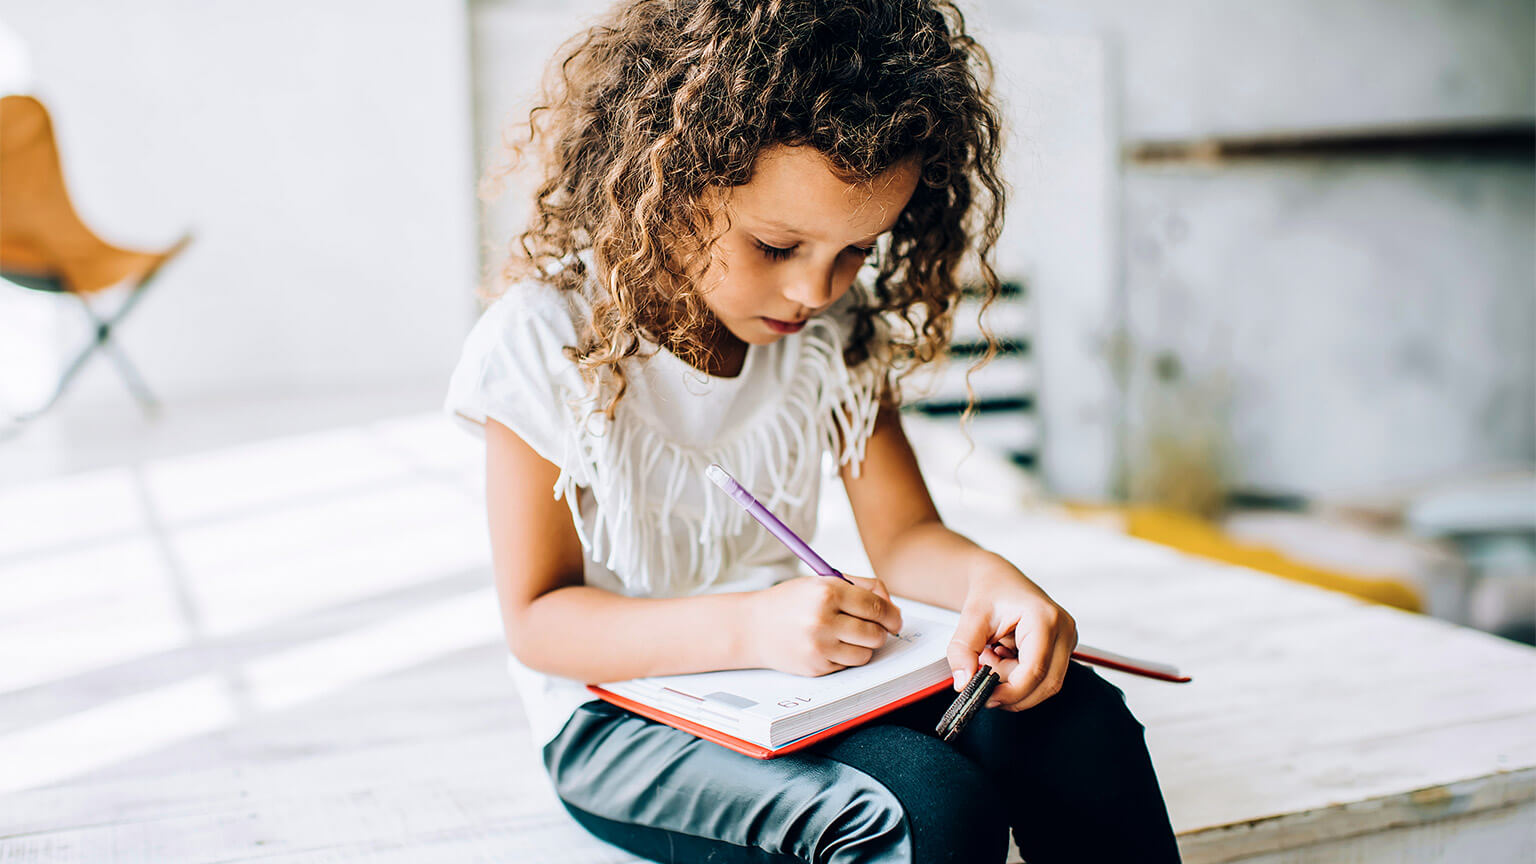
{"x":1003,"y":607}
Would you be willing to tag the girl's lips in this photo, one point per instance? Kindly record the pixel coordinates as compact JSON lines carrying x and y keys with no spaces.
{"x":783,"y":326}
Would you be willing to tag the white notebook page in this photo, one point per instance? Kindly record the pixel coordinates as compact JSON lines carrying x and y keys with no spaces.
{"x":749,"y":702}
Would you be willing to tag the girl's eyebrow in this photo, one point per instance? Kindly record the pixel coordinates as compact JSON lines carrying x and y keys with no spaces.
{"x":781,"y":227}
{"x":795,"y":233}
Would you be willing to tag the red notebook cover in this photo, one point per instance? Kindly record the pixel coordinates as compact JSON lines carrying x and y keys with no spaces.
{"x":758,"y":751}
{"x":1111,"y":660}
{"x":1094,"y":656}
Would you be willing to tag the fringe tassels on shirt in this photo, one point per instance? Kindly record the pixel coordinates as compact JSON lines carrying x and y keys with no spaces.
{"x":826,"y":408}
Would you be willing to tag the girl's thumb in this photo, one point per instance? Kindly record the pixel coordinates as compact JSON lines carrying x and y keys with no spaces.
{"x":970,"y":639}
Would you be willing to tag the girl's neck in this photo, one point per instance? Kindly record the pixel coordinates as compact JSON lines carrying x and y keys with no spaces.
{"x":728,"y":362}
{"x":727,"y":352}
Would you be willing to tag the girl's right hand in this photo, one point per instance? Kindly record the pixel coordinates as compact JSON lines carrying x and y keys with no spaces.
{"x":813,"y":625}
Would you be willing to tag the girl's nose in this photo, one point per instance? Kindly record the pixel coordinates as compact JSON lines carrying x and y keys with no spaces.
{"x":812,"y":288}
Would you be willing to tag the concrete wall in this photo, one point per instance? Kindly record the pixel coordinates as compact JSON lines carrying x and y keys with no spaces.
{"x":1194,"y":68}
{"x":1347,"y":324}
{"x":1328,"y":325}
{"x":320,"y":152}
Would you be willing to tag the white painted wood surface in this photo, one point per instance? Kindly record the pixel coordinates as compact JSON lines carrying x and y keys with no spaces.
{"x":298,"y":660}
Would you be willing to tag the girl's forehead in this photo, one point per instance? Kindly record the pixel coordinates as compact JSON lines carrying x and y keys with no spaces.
{"x":796,"y":190}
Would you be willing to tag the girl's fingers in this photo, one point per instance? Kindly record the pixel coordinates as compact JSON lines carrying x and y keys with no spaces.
{"x":972,"y":635}
{"x":1003,"y":666}
{"x":1031,"y":667}
{"x":876,"y":586}
{"x":844,"y":654}
{"x":1061,"y":661}
{"x":862,"y":602}
{"x":998,"y":658}
{"x":857,"y":631}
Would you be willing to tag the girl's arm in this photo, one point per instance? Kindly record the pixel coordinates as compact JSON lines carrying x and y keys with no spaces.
{"x":917,"y":556}
{"x":557,"y":625}
{"x":910,"y":549}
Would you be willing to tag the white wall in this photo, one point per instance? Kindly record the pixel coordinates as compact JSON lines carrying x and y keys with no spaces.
{"x":512,"y":43}
{"x":1193,"y":68}
{"x":1059,"y":239}
{"x":320,"y":152}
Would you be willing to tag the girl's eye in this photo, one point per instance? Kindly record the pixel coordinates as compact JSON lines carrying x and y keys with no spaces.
{"x":779,"y":253}
{"x":774,"y":253}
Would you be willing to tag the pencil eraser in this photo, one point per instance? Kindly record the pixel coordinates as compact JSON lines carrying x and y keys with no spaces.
{"x":717,"y":475}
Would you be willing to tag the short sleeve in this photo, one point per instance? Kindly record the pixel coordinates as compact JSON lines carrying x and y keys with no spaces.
{"x":513,"y":370}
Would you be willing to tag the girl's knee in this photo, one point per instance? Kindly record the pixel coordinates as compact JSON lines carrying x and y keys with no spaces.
{"x":963,"y":824}
{"x":1088,"y":739}
{"x":954,"y":823}
{"x":1088,"y":702}
{"x":947,"y":805}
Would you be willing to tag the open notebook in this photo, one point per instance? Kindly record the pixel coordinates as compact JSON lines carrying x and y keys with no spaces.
{"x":765,"y":713}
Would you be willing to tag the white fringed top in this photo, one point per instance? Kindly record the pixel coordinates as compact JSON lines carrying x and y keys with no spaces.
{"x":650,"y":522}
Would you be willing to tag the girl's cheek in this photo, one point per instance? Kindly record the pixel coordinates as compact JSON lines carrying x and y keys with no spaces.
{"x":848,"y":271}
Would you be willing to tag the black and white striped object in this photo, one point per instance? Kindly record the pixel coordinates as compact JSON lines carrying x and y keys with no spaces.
{"x":1006,"y":389}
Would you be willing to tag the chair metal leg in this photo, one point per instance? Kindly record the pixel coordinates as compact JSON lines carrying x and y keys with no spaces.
{"x":130,"y":375}
{"x":58,"y":392}
{"x":147,"y":401}
{"x":103,"y":334}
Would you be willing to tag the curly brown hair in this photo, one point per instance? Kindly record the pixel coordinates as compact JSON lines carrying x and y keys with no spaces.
{"x":645,"y":113}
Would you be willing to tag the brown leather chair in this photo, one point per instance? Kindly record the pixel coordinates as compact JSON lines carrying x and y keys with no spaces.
{"x":45,"y":246}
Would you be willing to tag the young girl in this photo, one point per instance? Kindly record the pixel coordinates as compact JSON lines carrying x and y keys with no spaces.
{"x":749,"y":228}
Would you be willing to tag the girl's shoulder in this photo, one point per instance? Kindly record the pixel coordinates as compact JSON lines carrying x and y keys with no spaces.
{"x":514,"y":368}
{"x":532,"y":304}
{"x":520,"y":342}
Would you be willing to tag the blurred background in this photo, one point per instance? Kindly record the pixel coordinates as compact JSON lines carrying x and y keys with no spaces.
{"x":1276,"y":258}
{"x":1272,"y":301}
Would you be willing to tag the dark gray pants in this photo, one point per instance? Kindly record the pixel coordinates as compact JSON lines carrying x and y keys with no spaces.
{"x":1070,"y":776}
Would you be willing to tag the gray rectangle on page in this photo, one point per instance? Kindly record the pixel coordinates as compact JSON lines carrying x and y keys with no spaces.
{"x":730,"y":699}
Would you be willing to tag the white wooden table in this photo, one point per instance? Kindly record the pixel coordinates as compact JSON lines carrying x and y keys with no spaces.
{"x":289,"y":652}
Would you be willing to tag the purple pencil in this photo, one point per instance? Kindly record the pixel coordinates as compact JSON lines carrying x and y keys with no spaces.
{"x":778,"y":529}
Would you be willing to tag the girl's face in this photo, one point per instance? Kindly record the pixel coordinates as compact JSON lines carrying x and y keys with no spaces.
{"x":798,"y":234}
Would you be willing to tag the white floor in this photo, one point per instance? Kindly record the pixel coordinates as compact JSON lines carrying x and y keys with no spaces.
{"x":260,"y":625}
{"x":209,"y":643}
{"x":113,"y":431}
{"x":205,"y":581}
